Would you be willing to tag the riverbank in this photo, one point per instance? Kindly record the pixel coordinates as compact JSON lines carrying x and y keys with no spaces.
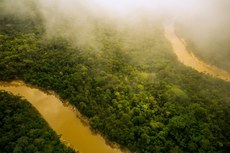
{"x":189,"y":59}
{"x":64,"y":118}
{"x":23,"y":129}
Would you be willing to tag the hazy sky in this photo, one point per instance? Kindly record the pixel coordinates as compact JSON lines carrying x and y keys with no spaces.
{"x":206,"y":18}
{"x":176,"y":8}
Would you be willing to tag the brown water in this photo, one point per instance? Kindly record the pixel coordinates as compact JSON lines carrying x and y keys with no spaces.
{"x":62,"y":119}
{"x":189,"y":59}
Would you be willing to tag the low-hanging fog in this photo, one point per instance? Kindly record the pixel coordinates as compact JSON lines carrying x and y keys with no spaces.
{"x":205,"y":22}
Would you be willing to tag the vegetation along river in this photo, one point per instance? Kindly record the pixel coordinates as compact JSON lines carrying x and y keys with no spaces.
{"x":63,"y":119}
{"x":188,"y":58}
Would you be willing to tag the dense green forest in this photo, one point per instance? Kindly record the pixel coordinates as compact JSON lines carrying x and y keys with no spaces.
{"x":133,"y":90}
{"x":22,"y":129}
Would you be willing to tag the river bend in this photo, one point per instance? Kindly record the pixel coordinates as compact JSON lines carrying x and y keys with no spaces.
{"x":61,"y":118}
{"x":188,"y":58}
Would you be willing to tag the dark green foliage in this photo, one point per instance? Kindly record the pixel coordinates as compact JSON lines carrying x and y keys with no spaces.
{"x":23,"y":130}
{"x":138,"y":96}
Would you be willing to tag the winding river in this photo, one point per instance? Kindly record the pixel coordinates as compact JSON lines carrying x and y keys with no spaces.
{"x":62,"y":119}
{"x":188,"y":58}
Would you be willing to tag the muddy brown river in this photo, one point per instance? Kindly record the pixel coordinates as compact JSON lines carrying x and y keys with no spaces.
{"x":62,"y":119}
{"x":188,"y":58}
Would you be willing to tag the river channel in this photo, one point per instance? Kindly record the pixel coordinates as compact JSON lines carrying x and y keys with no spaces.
{"x":188,"y":58}
{"x":62,"y":119}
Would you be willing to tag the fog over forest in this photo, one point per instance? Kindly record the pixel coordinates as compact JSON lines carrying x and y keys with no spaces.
{"x":203,"y":23}
{"x":118,"y":62}
{"x":206,"y":19}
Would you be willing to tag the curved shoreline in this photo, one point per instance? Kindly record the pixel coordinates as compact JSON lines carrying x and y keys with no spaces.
{"x":188,"y":58}
{"x":63,"y":118}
